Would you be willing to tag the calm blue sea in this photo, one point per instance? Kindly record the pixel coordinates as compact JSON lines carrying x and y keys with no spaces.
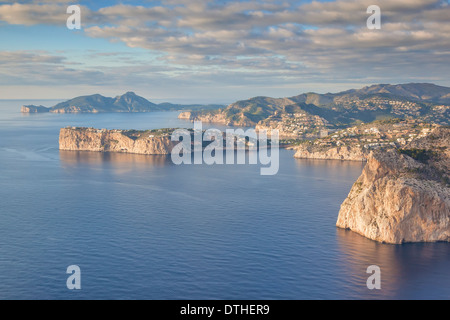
{"x":140,"y":227}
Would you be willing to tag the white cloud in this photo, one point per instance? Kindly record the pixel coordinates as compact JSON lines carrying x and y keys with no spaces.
{"x":246,"y":41}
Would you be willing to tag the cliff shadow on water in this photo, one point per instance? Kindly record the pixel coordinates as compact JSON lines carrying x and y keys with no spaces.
{"x":333,"y":168}
{"x":399,"y":277}
{"x":76,"y":158}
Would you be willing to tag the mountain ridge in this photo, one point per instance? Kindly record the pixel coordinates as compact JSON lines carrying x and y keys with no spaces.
{"x":413,"y":100}
{"x":128,"y":102}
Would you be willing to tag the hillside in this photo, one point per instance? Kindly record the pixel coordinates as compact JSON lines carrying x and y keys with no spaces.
{"x":357,"y":142}
{"x":428,"y":102}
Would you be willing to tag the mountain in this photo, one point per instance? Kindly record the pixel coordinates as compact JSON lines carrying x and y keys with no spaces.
{"x":166,"y":106}
{"x":129,"y":102}
{"x":413,"y":100}
{"x":414,"y":91}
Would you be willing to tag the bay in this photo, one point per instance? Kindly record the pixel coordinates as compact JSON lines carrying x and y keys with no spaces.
{"x":141,"y":227}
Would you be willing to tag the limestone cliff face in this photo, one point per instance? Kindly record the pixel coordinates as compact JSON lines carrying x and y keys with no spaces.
{"x":72,"y":139}
{"x":398,"y":199}
{"x":185,"y":115}
{"x":337,"y":153}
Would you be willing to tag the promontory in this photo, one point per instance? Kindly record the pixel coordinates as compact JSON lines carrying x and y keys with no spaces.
{"x":403,"y":195}
{"x":122,"y":141}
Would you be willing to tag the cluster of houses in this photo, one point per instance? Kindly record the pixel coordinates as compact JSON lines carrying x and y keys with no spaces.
{"x":94,"y":130}
{"x":398,"y":106}
{"x":296,"y":125}
{"x":370,"y":137}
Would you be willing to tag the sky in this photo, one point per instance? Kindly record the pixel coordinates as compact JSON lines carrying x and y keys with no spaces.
{"x":218,"y":51}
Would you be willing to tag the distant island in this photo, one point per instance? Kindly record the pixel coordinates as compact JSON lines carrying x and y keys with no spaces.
{"x":129,"y":102}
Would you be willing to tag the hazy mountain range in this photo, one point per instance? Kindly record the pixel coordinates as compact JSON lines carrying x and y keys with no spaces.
{"x":129,"y":102}
{"x":414,"y":100}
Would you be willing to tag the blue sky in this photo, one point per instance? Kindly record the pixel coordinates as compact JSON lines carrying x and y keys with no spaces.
{"x":218,"y":51}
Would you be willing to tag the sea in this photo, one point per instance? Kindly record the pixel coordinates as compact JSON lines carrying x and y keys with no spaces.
{"x":141,"y":227}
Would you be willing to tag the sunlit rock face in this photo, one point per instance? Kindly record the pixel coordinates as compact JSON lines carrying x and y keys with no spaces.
{"x":82,"y":139}
{"x":400,"y":199}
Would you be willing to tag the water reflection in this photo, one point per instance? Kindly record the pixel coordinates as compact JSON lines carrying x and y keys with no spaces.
{"x":119,"y":160}
{"x":334,"y":170}
{"x":329,"y":163}
{"x":400,"y":277}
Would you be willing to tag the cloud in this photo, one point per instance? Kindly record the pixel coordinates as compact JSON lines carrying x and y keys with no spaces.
{"x":41,"y":68}
{"x":239,"y":29}
{"x":245,"y":41}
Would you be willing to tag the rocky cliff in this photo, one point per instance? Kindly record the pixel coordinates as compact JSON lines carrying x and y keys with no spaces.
{"x":185,"y":116}
{"x":87,"y":139}
{"x":403,"y":196}
{"x":350,"y":153}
